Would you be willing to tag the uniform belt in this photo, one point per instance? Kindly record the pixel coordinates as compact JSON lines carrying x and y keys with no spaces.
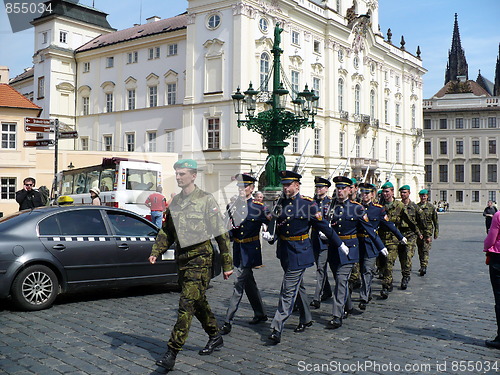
{"x":362,"y":235}
{"x":349,"y":237}
{"x":295,"y":238}
{"x":245,"y":240}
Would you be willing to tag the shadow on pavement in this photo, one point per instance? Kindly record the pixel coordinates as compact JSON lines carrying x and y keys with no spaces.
{"x":442,"y":334}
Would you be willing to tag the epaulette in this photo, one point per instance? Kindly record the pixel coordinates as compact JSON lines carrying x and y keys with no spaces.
{"x":257,"y":202}
{"x":306,"y":198}
{"x":377,"y":205}
{"x":356,"y":203}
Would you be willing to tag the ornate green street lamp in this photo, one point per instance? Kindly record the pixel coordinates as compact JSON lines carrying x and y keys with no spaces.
{"x":275,"y":124}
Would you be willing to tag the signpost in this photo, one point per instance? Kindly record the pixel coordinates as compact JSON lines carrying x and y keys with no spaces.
{"x":68,"y":135}
{"x":39,"y":143}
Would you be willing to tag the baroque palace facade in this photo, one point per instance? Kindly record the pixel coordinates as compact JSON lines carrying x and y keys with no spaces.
{"x":461,"y":124}
{"x":166,"y":86}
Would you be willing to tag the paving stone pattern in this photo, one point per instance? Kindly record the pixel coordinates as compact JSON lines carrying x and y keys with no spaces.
{"x":439,"y":321}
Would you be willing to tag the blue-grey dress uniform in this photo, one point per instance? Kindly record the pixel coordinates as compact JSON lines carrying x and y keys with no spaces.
{"x":348,"y":218}
{"x":294,"y":250}
{"x":320,"y":248}
{"x":247,"y":217}
{"x":368,"y":251}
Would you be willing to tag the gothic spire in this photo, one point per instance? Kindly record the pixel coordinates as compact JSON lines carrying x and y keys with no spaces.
{"x":457,"y":64}
{"x":497,"y":75}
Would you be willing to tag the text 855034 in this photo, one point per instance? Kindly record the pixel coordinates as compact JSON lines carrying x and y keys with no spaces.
{"x":27,"y":8}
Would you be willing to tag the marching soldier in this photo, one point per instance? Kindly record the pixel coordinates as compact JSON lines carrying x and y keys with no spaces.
{"x":431,"y":229}
{"x":192,"y":218}
{"x":396,"y":212}
{"x":294,"y":250}
{"x":246,"y":217}
{"x":368,"y":252}
{"x":411,"y":233}
{"x":320,"y":245}
{"x":347,"y":218}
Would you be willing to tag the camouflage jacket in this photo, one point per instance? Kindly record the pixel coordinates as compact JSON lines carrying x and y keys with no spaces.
{"x":431,"y":225}
{"x":404,"y":219}
{"x":191,"y":222}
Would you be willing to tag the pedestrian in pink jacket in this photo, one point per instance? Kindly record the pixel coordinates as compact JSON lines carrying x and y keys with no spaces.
{"x":492,"y":249}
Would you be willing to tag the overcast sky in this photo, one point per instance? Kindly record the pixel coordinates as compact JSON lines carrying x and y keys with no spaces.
{"x":424,"y":23}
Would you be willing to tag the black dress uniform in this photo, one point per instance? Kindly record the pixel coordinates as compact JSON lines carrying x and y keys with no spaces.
{"x":294,"y":250}
{"x":246,"y":217}
{"x":368,"y":251}
{"x":348,"y":218}
{"x":320,"y":247}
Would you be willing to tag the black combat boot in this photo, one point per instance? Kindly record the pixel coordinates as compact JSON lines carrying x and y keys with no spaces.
{"x":168,"y":360}
{"x":384,"y":293}
{"x":214,"y":343}
{"x":404,"y":282}
{"x":422,"y":271}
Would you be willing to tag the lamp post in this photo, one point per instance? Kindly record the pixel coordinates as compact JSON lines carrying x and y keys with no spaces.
{"x":276,"y":123}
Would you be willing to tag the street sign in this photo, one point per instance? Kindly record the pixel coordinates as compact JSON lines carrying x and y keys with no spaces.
{"x":38,"y":125}
{"x":37,"y":121}
{"x":38,"y":128}
{"x":67,"y":135}
{"x":35,"y":143}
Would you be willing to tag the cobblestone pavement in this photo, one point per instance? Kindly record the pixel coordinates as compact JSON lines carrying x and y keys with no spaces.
{"x":438,"y":324}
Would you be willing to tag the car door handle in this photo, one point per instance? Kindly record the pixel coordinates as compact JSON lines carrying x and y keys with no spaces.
{"x":123,"y":246}
{"x":59,"y":247}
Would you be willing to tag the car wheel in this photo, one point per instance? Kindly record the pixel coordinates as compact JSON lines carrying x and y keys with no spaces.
{"x":35,"y":288}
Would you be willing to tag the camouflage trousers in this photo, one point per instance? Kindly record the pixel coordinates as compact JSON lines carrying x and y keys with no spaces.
{"x":423,"y":251}
{"x":193,"y":301}
{"x":405,"y":253}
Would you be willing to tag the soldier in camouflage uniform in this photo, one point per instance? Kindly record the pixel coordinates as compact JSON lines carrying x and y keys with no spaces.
{"x":431,"y":229}
{"x":192,"y":218}
{"x":397,"y":214}
{"x":412,"y":229}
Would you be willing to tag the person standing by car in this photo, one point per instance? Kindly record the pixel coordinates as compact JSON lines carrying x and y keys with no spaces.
{"x":488,"y":213}
{"x":192,"y":219}
{"x":94,"y":197}
{"x":28,"y":197}
{"x":492,"y":250}
{"x":157,"y":203}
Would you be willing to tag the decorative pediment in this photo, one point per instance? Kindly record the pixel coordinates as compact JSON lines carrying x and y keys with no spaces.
{"x":171,"y":76}
{"x":343,"y":71}
{"x":84,"y":90}
{"x":387,"y":91}
{"x":152,"y":79}
{"x":130,"y":83}
{"x":398,"y":95}
{"x":264,"y":42}
{"x":414,"y":97}
{"x":213,"y":47}
{"x":317,"y":67}
{"x":65,"y":86}
{"x":108,"y":87}
{"x":373,"y":83}
{"x":296,"y":60}
{"x":357,"y":77}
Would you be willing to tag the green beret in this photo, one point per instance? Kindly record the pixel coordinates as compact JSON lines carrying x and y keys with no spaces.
{"x":186,"y":163}
{"x":387,"y":185}
{"x":354,"y":181}
{"x":405,"y":187}
{"x":423,"y":191}
{"x":380,"y":191}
